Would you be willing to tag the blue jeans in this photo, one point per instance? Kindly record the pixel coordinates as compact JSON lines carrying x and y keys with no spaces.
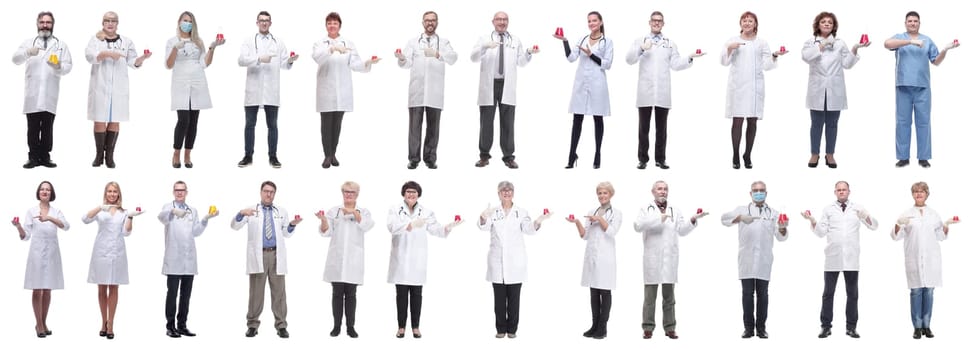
{"x":921,"y":306}
{"x":819,"y":119}
{"x":908,"y":99}
{"x":249,"y":131}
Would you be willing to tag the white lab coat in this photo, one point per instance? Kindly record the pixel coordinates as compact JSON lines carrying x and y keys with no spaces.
{"x":345,"y":254}
{"x":42,"y":82}
{"x":827,"y":74}
{"x":660,"y":260}
{"x":334,"y":90}
{"x":506,"y":262}
{"x":409,"y":257}
{"x":180,"y":239}
{"x":190,"y":90}
{"x":44,"y":267}
{"x":600,"y":266}
{"x":109,"y":259}
{"x":746,"y":90}
{"x":254,"y":238}
{"x":756,"y":239}
{"x":108,"y":87}
{"x":842,"y":229}
{"x":923,"y":253}
{"x":263,"y":79}
{"x":514,"y":54}
{"x":426,"y":82}
{"x":655,"y":68}
{"x":590,"y":93}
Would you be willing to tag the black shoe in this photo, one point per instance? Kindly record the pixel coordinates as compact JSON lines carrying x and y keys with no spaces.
{"x":400,"y":334}
{"x":735,"y":165}
{"x":431,"y":165}
{"x":416,"y":334}
{"x":412,"y":165}
{"x":917,"y":334}
{"x":590,"y":332}
{"x":48,"y":332}
{"x":814,"y":165}
{"x":172,"y":333}
{"x":247,"y":161}
{"x":511,"y":164}
{"x":747,"y":334}
{"x":901,"y":164}
{"x":922,"y":163}
{"x":661,"y":164}
{"x":336,"y":331}
{"x":571,"y":162}
{"x":283,"y":333}
{"x":31,"y":164}
{"x":928,"y":333}
{"x":109,"y":336}
{"x":186,"y":332}
{"x":47,"y":163}
{"x":334,"y":162}
{"x":326,"y":163}
{"x":852,"y":333}
{"x":829,"y":164}
{"x":825,"y":332}
{"x":251,"y":332}
{"x":642,"y":165}
{"x":351,"y":332}
{"x":761,"y":333}
{"x":748,"y":163}
{"x":482,"y":162}
{"x":188,"y":165}
{"x":274,"y":162}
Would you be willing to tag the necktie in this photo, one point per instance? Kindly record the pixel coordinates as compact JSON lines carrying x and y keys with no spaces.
{"x":268,"y":222}
{"x":843,"y":207}
{"x":502,"y":53}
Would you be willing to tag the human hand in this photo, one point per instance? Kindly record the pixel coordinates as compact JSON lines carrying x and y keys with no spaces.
{"x":746,"y":219}
{"x":265,"y":59}
{"x":179,"y":212}
{"x":33,"y":51}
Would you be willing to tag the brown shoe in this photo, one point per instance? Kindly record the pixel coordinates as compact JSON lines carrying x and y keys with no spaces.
{"x":479,"y":164}
{"x":671,"y":334}
{"x":647,"y":335}
{"x":511,"y":164}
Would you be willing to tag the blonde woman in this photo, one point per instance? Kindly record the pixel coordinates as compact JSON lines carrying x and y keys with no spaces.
{"x":600,"y":270}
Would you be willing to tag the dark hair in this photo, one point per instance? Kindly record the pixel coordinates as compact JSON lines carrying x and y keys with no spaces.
{"x":431,"y":13}
{"x":598,"y":14}
{"x":755,"y":19}
{"x":334,"y":16}
{"x":412,"y":185}
{"x":263,"y":13}
{"x":37,"y":194}
{"x":180,"y":182}
{"x":268,"y":183}
{"x":910,"y":13}
{"x":47,"y":13}
{"x":820,"y":17}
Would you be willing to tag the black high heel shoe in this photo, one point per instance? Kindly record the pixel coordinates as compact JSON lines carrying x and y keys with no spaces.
{"x":597,"y":160}
{"x":814,"y":163}
{"x":747,"y":162}
{"x":735,"y":162}
{"x":103,"y":331}
{"x":571,"y":162}
{"x":829,"y":164}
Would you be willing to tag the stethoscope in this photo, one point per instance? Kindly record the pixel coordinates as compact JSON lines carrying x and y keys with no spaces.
{"x":404,"y":211}
{"x":328,"y":42}
{"x":667,"y":209}
{"x":257,"y":36}
{"x":56,"y":42}
{"x":663,"y":40}
{"x":273,"y":209}
{"x":765,"y":213}
{"x":429,"y":41}
{"x":585,"y":41}
{"x":608,"y":213}
{"x":114,"y":44}
{"x":499,"y":214}
{"x":188,"y":210}
{"x":502,"y":37}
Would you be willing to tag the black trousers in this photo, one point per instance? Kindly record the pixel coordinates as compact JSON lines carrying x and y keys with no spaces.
{"x":181,"y":285}
{"x":331,"y":131}
{"x":506,"y":305}
{"x":344,"y":300}
{"x":249,"y":131}
{"x":185,"y":129}
{"x":415,"y":133}
{"x":600,"y":310}
{"x":40,"y":135}
{"x":827,"y":306}
{"x":661,"y":132}
{"x":507,"y":115}
{"x":406,"y":296}
{"x":761,"y":289}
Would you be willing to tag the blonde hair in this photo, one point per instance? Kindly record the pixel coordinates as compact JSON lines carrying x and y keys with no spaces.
{"x":920,"y":186}
{"x":105,"y":195}
{"x":194,"y":33}
{"x":607,"y":186}
{"x":101,"y":35}
{"x":351,"y":185}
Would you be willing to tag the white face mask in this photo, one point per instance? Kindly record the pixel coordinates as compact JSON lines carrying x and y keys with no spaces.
{"x":186,"y":27}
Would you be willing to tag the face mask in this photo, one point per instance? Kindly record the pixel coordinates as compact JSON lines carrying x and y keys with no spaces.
{"x":759,"y":196}
{"x":186,"y":27}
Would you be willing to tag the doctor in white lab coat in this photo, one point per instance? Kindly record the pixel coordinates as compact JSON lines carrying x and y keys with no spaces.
{"x":268,"y":226}
{"x":109,"y":258}
{"x":183,"y":224}
{"x":498,"y":53}
{"x":660,"y":226}
{"x":747,"y":57}
{"x":758,"y":225}
{"x":600,"y":269}
{"x":590,"y":92}
{"x":657,"y":56}
{"x":336,"y":57}
{"x":47,"y":59}
{"x":426,"y":56}
{"x":410,"y":224}
{"x":921,"y":229}
{"x":345,"y":225}
{"x":44,"y":268}
{"x":840,"y":222}
{"x":110,"y":56}
{"x":828,"y":57}
{"x":506,"y":262}
{"x":187,"y":57}
{"x":263,"y":57}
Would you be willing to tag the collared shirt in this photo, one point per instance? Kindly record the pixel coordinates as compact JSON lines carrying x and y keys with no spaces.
{"x":268,"y":214}
{"x":911,"y":62}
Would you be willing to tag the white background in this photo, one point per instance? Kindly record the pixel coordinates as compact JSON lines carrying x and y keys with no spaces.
{"x":458,"y":301}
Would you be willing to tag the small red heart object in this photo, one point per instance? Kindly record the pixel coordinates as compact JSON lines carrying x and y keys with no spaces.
{"x":296,"y":217}
{"x":572,"y":216}
{"x":536,"y":47}
{"x":698,"y":51}
{"x":219,"y":36}
{"x":546,"y":211}
{"x":138,"y":208}
{"x":699,"y":211}
{"x":374,"y":58}
{"x":955,"y":218}
{"x":458,"y":218}
{"x":146,"y":52}
{"x":864,"y":39}
{"x":292,"y":54}
{"x":782,"y":48}
{"x":16,"y":220}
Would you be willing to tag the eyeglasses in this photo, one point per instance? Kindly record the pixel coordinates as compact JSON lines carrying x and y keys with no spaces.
{"x":263,"y":20}
{"x":351,"y":192}
{"x":106,"y":20}
{"x":657,"y":20}
{"x":755,"y":190}
{"x":411,"y":192}
{"x":179,"y":190}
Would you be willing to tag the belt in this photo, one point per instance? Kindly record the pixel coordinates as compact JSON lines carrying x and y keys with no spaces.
{"x":269,"y":249}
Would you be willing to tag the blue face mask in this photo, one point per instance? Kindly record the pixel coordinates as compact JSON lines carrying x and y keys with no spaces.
{"x":186,"y":27}
{"x":759,"y":196}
